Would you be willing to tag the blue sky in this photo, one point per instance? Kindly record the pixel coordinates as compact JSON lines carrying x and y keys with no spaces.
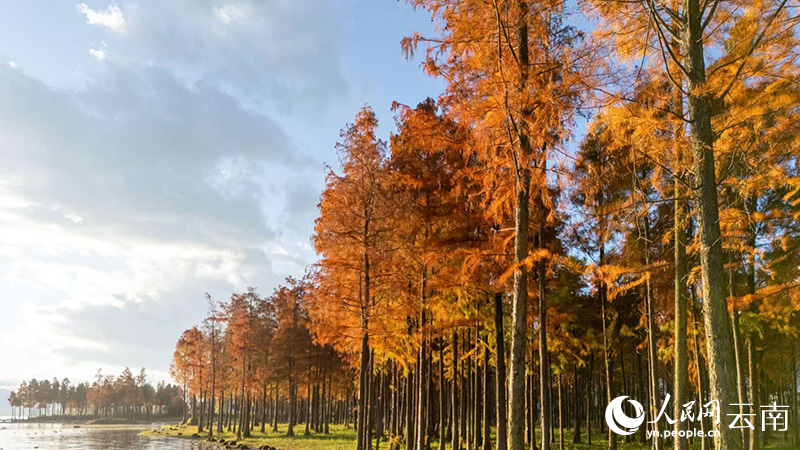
{"x":153,"y":150}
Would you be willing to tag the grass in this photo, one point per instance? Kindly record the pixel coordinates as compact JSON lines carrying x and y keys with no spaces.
{"x":600,"y":442}
{"x":341,"y":438}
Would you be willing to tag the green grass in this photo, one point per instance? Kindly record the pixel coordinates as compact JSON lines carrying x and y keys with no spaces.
{"x":600,"y":442}
{"x":341,"y":438}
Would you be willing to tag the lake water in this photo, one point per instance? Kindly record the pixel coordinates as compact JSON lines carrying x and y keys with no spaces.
{"x":49,"y":436}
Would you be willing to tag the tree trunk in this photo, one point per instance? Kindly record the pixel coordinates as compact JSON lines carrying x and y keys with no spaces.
{"x":476,"y":395}
{"x":369,"y":422}
{"x":410,"y":411}
{"x":486,"y":400}
{"x":681,"y":375}
{"x":362,"y":392}
{"x":576,"y":437}
{"x":247,"y":417}
{"x":241,"y":403}
{"x":308,"y":407}
{"x":737,"y":349}
{"x":520,"y":306}
{"x":442,"y":437}
{"x":754,"y":394}
{"x":500,"y":374}
{"x":701,"y":378}
{"x":275,"y":410}
{"x":560,"y":413}
{"x":544,"y":358}
{"x":292,"y":406}
{"x":455,"y":394}
{"x":612,"y":437}
{"x":422,"y":422}
{"x":589,"y":389}
{"x":719,"y":337}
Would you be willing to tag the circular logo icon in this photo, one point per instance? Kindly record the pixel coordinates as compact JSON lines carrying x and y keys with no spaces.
{"x":618,"y":421}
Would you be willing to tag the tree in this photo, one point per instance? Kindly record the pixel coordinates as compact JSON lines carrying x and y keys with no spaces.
{"x":510,"y":73}
{"x":350,"y":237}
{"x":697,"y":27}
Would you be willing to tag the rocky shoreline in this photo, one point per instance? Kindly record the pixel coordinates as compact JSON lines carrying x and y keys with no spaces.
{"x":221,"y":442}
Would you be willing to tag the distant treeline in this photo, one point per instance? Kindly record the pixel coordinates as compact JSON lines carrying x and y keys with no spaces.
{"x":125,"y":396}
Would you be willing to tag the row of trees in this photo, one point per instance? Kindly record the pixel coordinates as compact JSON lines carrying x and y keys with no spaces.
{"x":662,"y":254}
{"x":125,"y":396}
{"x":253,"y":362}
{"x":480,"y":272}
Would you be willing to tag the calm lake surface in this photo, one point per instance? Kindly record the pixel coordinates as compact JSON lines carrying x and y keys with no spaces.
{"x":54,"y":436}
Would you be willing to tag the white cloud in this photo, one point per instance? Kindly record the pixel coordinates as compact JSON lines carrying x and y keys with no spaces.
{"x":99,"y":54}
{"x":230,"y":13}
{"x":74,"y":218}
{"x":112,"y":17}
{"x":122,"y":202}
{"x":173,"y":172}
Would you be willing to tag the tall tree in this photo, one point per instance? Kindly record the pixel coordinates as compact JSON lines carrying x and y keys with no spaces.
{"x":350,"y":237}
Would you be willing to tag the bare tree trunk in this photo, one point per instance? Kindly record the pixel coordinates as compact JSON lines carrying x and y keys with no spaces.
{"x":246,"y":417}
{"x":370,"y":423}
{"x":292,"y":410}
{"x":362,"y":394}
{"x":576,"y":436}
{"x":422,"y":422}
{"x":519,"y":310}
{"x":409,"y":409}
{"x":560,"y":413}
{"x":363,"y":379}
{"x":275,"y":410}
{"x":500,"y":372}
{"x":589,"y":389}
{"x":308,"y":407}
{"x":701,"y":379}
{"x":755,"y":397}
{"x":442,"y":434}
{"x":737,"y":348}
{"x":241,"y":403}
{"x":476,"y":395}
{"x":719,"y":337}
{"x":486,"y":400}
{"x":455,"y":394}
{"x":263,"y":409}
{"x":681,"y":375}
{"x":601,"y":291}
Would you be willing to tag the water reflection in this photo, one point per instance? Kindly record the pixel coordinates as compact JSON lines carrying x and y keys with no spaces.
{"x":48,"y":436}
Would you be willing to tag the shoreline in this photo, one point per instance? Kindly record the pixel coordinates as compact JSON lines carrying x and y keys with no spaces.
{"x":340,"y":438}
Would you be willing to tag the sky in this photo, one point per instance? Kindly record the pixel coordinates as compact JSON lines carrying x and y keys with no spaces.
{"x":155,"y":150}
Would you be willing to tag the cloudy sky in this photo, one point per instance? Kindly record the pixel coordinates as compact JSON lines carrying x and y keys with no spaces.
{"x":153,"y":150}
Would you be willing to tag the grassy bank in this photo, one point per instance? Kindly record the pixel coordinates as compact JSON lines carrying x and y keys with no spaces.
{"x":340,"y":438}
